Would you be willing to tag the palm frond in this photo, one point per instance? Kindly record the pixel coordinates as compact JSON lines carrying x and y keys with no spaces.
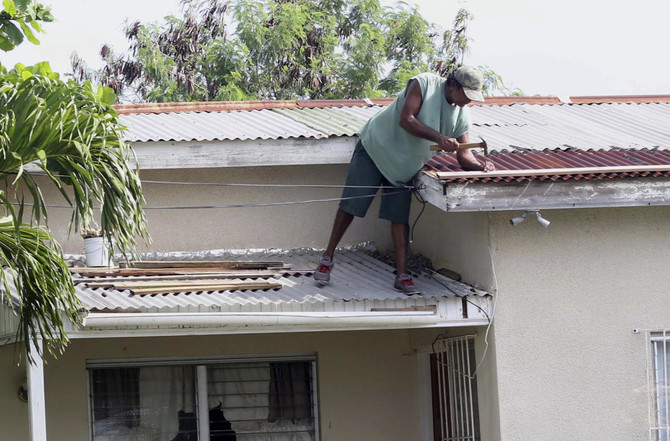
{"x":72,"y":134}
{"x":36,"y":282}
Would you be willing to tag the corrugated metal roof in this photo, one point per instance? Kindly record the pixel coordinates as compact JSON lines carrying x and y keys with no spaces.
{"x":360,"y":281}
{"x":326,"y":120}
{"x":583,"y":126}
{"x":211,"y":126}
{"x":517,"y":125}
{"x":558,"y":160}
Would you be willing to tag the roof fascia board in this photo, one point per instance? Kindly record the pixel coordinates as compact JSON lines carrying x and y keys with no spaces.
{"x":244,"y":153}
{"x":529,"y":195}
{"x":116,"y":325}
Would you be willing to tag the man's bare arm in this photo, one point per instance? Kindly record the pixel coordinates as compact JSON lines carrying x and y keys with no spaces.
{"x":411,"y":124}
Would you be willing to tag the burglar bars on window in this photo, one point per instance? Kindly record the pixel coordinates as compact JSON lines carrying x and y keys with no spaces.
{"x":659,"y":429}
{"x":457,"y":388}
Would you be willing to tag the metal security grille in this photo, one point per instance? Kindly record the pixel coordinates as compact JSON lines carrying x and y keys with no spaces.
{"x":457,"y":389}
{"x":659,"y":383}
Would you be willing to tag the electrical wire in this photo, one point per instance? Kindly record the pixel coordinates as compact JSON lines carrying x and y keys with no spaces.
{"x":207,"y":207}
{"x":430,"y":273}
{"x":223,"y":184}
{"x":226,"y":184}
{"x":419,"y":198}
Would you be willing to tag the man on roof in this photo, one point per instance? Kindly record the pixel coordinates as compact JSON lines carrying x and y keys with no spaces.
{"x":394,"y":145}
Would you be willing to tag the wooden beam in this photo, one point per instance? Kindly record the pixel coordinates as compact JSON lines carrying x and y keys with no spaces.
{"x":121,"y":272}
{"x":215,"y":287}
{"x":553,"y":171}
{"x":206,"y":264}
{"x":239,"y":274}
{"x":169,"y":283}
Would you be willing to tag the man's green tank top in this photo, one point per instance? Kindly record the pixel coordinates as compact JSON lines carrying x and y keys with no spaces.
{"x":399,"y":155}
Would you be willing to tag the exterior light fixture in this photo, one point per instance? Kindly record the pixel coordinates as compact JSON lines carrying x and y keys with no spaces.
{"x":517,"y":220}
{"x":22,"y":393}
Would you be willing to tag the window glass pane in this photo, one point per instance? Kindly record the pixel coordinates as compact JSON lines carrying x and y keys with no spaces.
{"x":147,"y":403}
{"x":262,"y":401}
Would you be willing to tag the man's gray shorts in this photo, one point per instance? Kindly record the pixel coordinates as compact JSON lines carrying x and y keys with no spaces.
{"x":395,"y":201}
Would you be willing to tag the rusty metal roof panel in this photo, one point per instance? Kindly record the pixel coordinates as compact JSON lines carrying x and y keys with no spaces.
{"x":360,"y":280}
{"x":560,"y":159}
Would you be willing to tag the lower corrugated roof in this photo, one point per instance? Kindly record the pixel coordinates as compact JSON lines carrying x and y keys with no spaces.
{"x":360,"y":281}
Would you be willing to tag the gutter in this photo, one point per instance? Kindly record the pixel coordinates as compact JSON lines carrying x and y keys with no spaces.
{"x":247,"y":323}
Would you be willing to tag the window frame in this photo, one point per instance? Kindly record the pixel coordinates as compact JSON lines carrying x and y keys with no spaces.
{"x":200,"y":365}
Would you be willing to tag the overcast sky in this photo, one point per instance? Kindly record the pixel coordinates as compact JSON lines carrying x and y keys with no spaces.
{"x":543,"y":47}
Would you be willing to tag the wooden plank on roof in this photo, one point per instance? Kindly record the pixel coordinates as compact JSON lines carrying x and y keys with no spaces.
{"x":239,"y":274}
{"x":209,"y":264}
{"x":553,"y":171}
{"x":228,"y":286}
{"x":123,"y":272}
{"x":168,"y":283}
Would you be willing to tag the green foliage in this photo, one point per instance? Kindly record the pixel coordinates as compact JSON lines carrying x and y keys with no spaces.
{"x":33,"y":265}
{"x":72,"y":135}
{"x":279,"y":49}
{"x":19,"y":20}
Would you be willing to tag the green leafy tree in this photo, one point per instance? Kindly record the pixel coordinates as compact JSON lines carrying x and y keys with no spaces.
{"x":20,"y":19}
{"x":280,"y":49}
{"x":69,"y":133}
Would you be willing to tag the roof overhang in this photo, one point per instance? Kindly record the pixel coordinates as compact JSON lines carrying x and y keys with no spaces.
{"x":244,"y":153}
{"x":548,"y":194}
{"x":448,"y":312}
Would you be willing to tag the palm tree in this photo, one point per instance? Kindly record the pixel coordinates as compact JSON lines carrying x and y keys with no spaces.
{"x":71,"y":134}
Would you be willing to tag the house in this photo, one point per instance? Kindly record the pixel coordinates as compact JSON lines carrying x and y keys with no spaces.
{"x":522,"y":332}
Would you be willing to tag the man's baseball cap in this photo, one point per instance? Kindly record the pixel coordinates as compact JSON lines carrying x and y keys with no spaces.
{"x":471,"y":80}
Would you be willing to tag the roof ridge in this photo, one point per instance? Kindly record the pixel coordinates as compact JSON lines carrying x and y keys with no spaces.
{"x":231,"y":106}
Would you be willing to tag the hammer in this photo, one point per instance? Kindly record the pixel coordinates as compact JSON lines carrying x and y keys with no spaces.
{"x":468,"y":145}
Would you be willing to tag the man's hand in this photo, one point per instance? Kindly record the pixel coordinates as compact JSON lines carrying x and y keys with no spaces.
{"x":468,"y":161}
{"x":488,"y":166}
{"x":447,"y":144}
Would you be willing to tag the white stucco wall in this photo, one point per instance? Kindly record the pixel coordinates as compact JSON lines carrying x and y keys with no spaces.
{"x":366,"y":380}
{"x":304,"y":225}
{"x":460,"y":242}
{"x":569,"y":365}
{"x":455,"y":241}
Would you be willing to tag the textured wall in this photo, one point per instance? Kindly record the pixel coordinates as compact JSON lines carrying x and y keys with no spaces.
{"x":569,"y":365}
{"x":262,"y":227}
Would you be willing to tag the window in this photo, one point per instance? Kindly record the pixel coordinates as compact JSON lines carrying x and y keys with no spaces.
{"x":247,"y":401}
{"x":455,"y":404}
{"x":660,"y":382}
